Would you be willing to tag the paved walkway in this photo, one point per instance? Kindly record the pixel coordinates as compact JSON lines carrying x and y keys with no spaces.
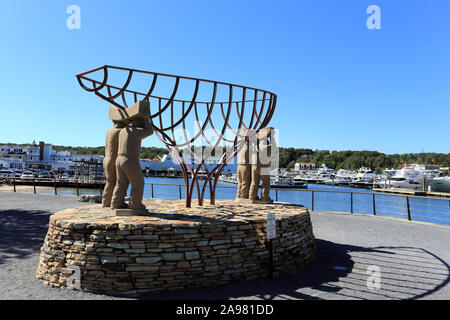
{"x":412,"y":259}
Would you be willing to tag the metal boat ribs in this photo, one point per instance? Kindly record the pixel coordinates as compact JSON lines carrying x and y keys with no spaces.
{"x":254,"y":113}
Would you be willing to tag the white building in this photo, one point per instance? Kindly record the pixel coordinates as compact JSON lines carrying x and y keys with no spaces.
{"x":4,"y":150}
{"x":42,"y":156}
{"x":304,"y":166}
{"x":167,"y":162}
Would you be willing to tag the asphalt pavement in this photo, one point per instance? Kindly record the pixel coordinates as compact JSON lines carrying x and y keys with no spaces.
{"x":357,"y":257}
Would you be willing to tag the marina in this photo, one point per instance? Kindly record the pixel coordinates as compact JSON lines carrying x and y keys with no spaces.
{"x":317,"y":197}
{"x":312,"y":168}
{"x":40,"y":161}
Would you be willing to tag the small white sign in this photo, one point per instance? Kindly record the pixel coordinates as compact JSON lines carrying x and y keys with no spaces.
{"x":271,"y":225}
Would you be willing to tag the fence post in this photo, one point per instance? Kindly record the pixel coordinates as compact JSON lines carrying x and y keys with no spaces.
{"x":34,"y":185}
{"x":152,"y":191}
{"x":374,"y":207}
{"x":56,"y":192}
{"x":276,"y":194}
{"x":78,"y":189}
{"x":312,"y":200}
{"x":179,"y":190}
{"x":407,"y":206}
{"x":14,"y":184}
{"x":351,"y":202}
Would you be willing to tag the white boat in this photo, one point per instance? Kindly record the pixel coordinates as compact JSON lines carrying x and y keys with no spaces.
{"x":366,"y":175}
{"x":324,"y":170}
{"x":26,"y":175}
{"x":299,"y":182}
{"x":439,"y":184}
{"x":343,"y":181}
{"x":406,"y":183}
{"x":345,"y":174}
{"x":406,"y":178}
{"x":232,"y":178}
{"x":284,"y":182}
{"x":45,"y":174}
{"x":6,"y":173}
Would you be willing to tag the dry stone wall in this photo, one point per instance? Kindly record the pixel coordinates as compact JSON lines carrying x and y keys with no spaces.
{"x":173,"y":247}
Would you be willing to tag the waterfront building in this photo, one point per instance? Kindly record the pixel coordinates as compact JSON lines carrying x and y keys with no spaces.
{"x":167,"y":163}
{"x":304,"y":166}
{"x":41,"y":156}
{"x":4,"y":150}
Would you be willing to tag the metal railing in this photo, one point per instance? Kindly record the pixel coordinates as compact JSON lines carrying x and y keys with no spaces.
{"x":376,"y":197}
{"x":55,"y":183}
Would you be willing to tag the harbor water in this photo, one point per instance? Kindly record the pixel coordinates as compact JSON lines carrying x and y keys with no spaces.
{"x":421,"y":209}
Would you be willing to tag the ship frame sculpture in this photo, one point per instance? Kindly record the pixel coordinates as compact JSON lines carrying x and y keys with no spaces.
{"x":261,"y":102}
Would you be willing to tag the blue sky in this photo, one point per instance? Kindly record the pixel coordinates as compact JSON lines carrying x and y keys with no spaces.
{"x":340,"y":85}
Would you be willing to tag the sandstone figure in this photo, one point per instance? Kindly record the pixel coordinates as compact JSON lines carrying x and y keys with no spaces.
{"x":109,"y":162}
{"x":261,"y":162}
{"x":128,"y":169}
{"x":243,"y":171}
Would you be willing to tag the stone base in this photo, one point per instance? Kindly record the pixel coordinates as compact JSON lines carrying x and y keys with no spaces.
{"x":172,"y":247}
{"x":129,"y":212}
{"x":254,"y":201}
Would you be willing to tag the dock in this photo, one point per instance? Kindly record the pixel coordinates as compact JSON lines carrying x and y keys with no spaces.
{"x":413,"y":192}
{"x":54,"y":183}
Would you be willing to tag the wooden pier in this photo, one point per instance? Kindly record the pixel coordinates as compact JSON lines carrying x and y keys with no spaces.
{"x":54,"y":183}
{"x":413,"y":192}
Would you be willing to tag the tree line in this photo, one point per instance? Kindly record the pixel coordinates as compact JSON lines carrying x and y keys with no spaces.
{"x":351,"y":160}
{"x":146,"y":152}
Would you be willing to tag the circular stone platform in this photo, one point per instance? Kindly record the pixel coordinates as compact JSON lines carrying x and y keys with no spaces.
{"x":172,"y":247}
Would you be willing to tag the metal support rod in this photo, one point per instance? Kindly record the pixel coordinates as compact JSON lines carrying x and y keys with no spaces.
{"x":78,"y":189}
{"x":374,"y":207}
{"x":56,"y":192}
{"x":409,"y":210}
{"x":179,"y":191}
{"x":34,"y":185}
{"x":152,"y":191}
{"x":14,"y":184}
{"x":276,"y":194}
{"x":351,"y":202}
{"x":270,"y":247}
{"x":312,"y":200}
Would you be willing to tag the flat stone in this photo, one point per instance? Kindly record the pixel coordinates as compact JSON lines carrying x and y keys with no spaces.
{"x":124,"y":212}
{"x":216,"y":242}
{"x":108,"y":260}
{"x":142,"y":268}
{"x":165,"y":245}
{"x":135,"y":250}
{"x":192,"y":255}
{"x":148,"y":260}
{"x":119,"y":245}
{"x":173,"y":256}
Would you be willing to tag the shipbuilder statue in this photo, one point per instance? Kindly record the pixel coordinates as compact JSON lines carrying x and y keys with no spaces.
{"x":128,"y":168}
